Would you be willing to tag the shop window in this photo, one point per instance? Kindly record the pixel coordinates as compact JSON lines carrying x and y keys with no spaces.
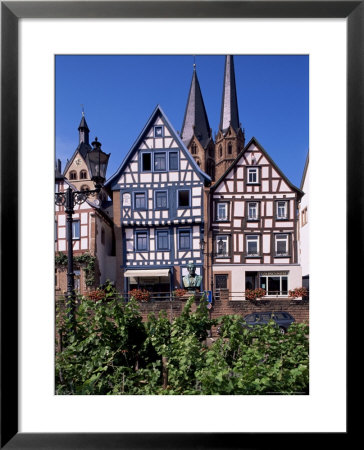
{"x":274,"y":284}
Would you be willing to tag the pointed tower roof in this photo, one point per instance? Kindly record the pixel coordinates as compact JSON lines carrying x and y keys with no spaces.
{"x":83,"y":142}
{"x":195,"y":121}
{"x":229,"y":105}
{"x":83,"y":131}
{"x":83,"y":123}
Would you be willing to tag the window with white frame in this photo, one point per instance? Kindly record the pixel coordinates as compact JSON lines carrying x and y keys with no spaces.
{"x":253,"y":175}
{"x":76,"y":229}
{"x":222,"y":246}
{"x":281,"y":244}
{"x":252,"y":211}
{"x":252,"y":245}
{"x":282,"y":209}
{"x":222,"y":211}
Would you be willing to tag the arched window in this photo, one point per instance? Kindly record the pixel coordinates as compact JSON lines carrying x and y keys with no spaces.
{"x":194,"y":149}
{"x":83,"y":175}
{"x":73,"y":175}
{"x":230,"y":149}
{"x":220,"y":151}
{"x":84,"y":187}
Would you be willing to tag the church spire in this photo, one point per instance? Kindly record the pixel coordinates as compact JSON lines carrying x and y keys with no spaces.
{"x":229,"y":105}
{"x":83,"y":130}
{"x":195,"y":121}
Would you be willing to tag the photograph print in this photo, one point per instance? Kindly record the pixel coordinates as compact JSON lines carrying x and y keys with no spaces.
{"x":181,"y":225}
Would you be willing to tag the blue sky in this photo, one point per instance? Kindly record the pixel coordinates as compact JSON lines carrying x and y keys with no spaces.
{"x":119,"y":93}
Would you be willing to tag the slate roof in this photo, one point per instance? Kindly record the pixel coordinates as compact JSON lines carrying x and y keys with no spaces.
{"x":111,"y":182}
{"x":253,"y":140}
{"x":229,"y":104}
{"x":195,"y":120}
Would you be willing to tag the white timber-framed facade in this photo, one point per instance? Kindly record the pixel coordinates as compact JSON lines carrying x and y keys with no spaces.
{"x":254,"y":227}
{"x":158,"y":210}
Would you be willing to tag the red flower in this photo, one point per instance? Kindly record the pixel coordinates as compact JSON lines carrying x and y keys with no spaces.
{"x":141,"y":295}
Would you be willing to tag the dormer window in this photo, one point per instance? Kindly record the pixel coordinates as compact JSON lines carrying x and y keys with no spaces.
{"x":253,"y":175}
{"x":73,"y":175}
{"x":83,"y":175}
{"x":230,"y":149}
{"x":193,"y":149}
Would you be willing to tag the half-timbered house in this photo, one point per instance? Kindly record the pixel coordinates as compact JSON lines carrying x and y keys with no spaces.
{"x":254,"y":226}
{"x":92,"y":227}
{"x":158,"y":210}
{"x":303,"y":228}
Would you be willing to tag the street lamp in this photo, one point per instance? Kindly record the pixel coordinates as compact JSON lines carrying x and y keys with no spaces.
{"x":96,"y":161}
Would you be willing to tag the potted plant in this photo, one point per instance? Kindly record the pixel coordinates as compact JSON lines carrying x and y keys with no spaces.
{"x":178,"y":293}
{"x":254,"y":294}
{"x":298,"y":293}
{"x":140,"y":295}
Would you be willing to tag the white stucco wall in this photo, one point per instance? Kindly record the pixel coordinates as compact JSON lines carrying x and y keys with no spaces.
{"x":304,"y":230}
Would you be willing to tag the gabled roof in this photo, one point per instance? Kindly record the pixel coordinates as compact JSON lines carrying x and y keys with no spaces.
{"x":110,"y":183}
{"x":229,"y":103}
{"x":253,"y":140}
{"x":195,"y":121}
{"x":104,"y":208}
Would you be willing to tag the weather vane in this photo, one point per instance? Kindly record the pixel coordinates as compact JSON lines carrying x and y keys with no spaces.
{"x":83,"y":110}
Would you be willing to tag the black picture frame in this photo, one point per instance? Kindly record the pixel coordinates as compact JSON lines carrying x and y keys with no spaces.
{"x":11,"y":12}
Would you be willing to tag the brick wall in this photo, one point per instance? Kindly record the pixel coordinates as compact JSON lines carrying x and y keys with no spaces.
{"x":299,"y":309}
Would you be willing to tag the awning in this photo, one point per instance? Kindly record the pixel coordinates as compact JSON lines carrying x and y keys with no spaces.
{"x":147,"y":273}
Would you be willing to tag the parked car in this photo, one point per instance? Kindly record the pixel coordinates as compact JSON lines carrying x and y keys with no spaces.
{"x":282,"y":319}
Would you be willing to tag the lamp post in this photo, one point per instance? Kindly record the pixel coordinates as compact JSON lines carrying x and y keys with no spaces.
{"x":96,"y":161}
